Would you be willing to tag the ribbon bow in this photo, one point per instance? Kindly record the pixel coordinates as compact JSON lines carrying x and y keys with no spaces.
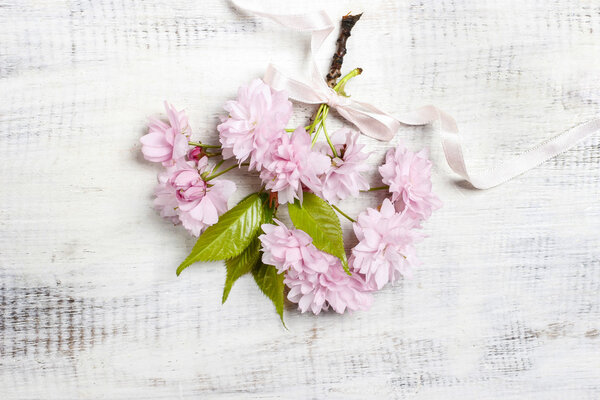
{"x":375,"y":123}
{"x":368,"y":119}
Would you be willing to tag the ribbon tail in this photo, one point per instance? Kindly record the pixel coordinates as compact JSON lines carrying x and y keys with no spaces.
{"x":315,"y":21}
{"x":318,"y":23}
{"x":509,"y":168}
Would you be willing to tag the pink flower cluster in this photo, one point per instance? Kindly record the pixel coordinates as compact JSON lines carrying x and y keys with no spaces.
{"x":254,"y":130}
{"x":316,"y":279}
{"x":184,"y":192}
{"x":290,"y":163}
{"x":387,"y":237}
{"x":385,"y":251}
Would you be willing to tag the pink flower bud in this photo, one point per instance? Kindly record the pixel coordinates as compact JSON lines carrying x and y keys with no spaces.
{"x":196,"y":153}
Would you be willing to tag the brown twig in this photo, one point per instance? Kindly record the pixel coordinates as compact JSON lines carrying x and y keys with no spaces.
{"x":335,"y":70}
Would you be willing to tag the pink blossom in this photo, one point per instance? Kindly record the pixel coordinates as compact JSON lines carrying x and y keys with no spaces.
{"x":291,"y":249}
{"x":386,"y":245}
{"x":316,"y":279}
{"x":198,"y":203}
{"x":343,"y":178}
{"x":335,"y":289}
{"x":293,"y":165}
{"x":256,"y":118}
{"x":167,"y":143}
{"x":166,"y":201}
{"x":408,"y":175}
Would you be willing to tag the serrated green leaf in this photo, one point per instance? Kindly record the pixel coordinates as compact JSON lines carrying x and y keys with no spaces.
{"x":267,"y":215}
{"x":316,"y":217}
{"x":271,"y":284}
{"x":241,"y":265}
{"x":230,"y":235}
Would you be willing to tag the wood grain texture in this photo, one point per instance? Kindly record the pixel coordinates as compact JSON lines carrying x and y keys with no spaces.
{"x":507,"y":302}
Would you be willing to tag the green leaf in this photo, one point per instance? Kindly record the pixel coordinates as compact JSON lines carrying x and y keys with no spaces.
{"x":316,"y":217}
{"x":267,"y":214}
{"x":241,"y":265}
{"x":271,"y":284}
{"x":230,"y":235}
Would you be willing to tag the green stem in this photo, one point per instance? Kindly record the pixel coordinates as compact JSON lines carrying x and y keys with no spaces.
{"x":321,"y":121}
{"x":324,"y":109}
{"x":340,"y":86}
{"x":335,"y":155}
{"x":225,"y":170}
{"x":317,"y":119}
{"x":216,"y":167}
{"x":343,"y":213}
{"x":376,"y":188}
{"x":206,"y":146}
{"x":290,"y":130}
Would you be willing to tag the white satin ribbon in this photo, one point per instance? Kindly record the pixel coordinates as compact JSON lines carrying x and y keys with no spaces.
{"x":507,"y":169}
{"x":367,"y":118}
{"x":380,"y":125}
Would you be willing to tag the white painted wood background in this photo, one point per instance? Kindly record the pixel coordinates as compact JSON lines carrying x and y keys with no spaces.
{"x":506,"y":305}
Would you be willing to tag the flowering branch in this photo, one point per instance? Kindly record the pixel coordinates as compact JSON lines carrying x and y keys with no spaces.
{"x":308,"y":175}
